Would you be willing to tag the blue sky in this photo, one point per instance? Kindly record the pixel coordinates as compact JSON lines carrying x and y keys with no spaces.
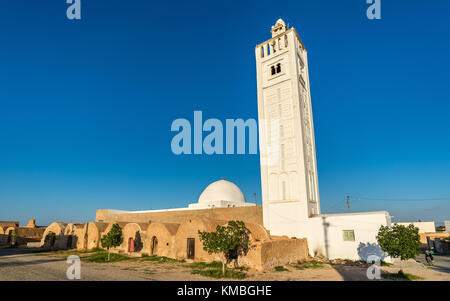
{"x":86,"y":106}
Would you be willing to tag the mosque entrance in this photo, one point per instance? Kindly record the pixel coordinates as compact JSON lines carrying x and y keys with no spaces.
{"x":190,"y":252}
{"x":131,"y":245}
{"x":69,"y":241}
{"x":154,"y":245}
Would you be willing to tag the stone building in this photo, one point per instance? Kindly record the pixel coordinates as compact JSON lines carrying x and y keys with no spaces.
{"x":10,"y":231}
{"x":161,"y":239}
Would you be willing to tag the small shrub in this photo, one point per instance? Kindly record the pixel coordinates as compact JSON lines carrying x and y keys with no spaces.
{"x":102,"y":257}
{"x":385,"y":264}
{"x":312,"y":264}
{"x":280,"y":268}
{"x":113,"y":239}
{"x":217,"y":273}
{"x":230,"y":242}
{"x":399,"y":241}
{"x":50,"y":239}
{"x":203,"y":265}
{"x":97,"y":249}
{"x":214,"y":269}
{"x":159,"y":259}
{"x":400,"y":276}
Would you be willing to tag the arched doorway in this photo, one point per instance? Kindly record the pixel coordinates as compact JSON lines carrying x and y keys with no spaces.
{"x":9,"y":239}
{"x":190,"y":252}
{"x":154,"y":245}
{"x":131,"y":245}
{"x":69,"y":241}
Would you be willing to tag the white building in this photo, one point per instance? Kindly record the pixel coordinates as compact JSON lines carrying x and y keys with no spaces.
{"x":221,"y":194}
{"x":291,"y":204}
{"x":218,"y":194}
{"x":424,"y":227}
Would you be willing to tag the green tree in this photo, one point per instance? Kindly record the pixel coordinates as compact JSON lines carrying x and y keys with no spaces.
{"x":12,"y":238}
{"x":50,"y":239}
{"x":229,"y":242}
{"x":399,"y":241}
{"x":113,"y":239}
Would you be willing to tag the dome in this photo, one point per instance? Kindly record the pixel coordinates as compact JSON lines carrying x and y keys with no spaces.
{"x":221,"y":190}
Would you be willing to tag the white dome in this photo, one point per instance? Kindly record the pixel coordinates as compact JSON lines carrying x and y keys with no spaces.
{"x":221,"y":190}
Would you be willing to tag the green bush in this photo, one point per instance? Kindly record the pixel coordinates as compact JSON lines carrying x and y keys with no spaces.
{"x":155,"y":258}
{"x":102,"y":257}
{"x":280,"y":268}
{"x":113,"y":239}
{"x":229,"y":242}
{"x":217,"y":273}
{"x":400,"y":276}
{"x":399,"y":241}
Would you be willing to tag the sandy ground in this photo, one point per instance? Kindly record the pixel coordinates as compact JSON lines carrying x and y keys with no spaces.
{"x":16,"y":264}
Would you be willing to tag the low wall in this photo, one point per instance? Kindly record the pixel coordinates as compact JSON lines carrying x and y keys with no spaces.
{"x":251,"y":214}
{"x":3,"y":239}
{"x":275,"y":252}
{"x":7,"y":224}
{"x":441,"y":235}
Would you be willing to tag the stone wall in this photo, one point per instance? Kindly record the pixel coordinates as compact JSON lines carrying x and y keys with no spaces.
{"x":246,"y":214}
{"x":441,"y":235}
{"x":7,"y":224}
{"x":274,"y":252}
{"x":24,"y":235}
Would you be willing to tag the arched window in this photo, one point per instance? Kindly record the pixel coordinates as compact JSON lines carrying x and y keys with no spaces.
{"x":273,"y":70}
{"x":278,"y":68}
{"x":283,"y":190}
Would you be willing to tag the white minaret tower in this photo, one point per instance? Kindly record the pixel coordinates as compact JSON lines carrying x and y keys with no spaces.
{"x":289,"y":183}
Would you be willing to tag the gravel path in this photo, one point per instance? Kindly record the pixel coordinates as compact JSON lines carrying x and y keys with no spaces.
{"x":17,"y":264}
{"x":20,"y":264}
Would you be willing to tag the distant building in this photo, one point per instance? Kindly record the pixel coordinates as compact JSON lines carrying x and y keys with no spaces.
{"x":424,"y":227}
{"x":447,"y":226}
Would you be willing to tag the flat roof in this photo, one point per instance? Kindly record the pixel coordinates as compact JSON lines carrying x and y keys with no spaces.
{"x":353,"y":213}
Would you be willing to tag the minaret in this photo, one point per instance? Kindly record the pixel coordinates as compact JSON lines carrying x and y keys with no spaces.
{"x":289,"y":183}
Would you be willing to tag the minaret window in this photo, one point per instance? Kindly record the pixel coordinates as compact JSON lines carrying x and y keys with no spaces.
{"x":275,"y":69}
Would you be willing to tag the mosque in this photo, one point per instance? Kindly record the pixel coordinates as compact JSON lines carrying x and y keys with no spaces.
{"x":288,"y":226}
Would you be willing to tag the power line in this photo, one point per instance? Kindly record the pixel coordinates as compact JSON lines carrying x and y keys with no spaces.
{"x":347,"y":201}
{"x":405,"y":200}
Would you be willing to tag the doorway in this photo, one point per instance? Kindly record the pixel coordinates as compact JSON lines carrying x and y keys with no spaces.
{"x":131,"y":245}
{"x":190,"y":252}
{"x":154,"y":245}
{"x":69,"y":242}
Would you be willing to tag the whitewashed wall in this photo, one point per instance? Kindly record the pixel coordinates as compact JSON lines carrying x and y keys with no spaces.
{"x":424,"y":227}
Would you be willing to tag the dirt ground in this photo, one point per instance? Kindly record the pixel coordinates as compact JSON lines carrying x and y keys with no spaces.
{"x":23,"y":265}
